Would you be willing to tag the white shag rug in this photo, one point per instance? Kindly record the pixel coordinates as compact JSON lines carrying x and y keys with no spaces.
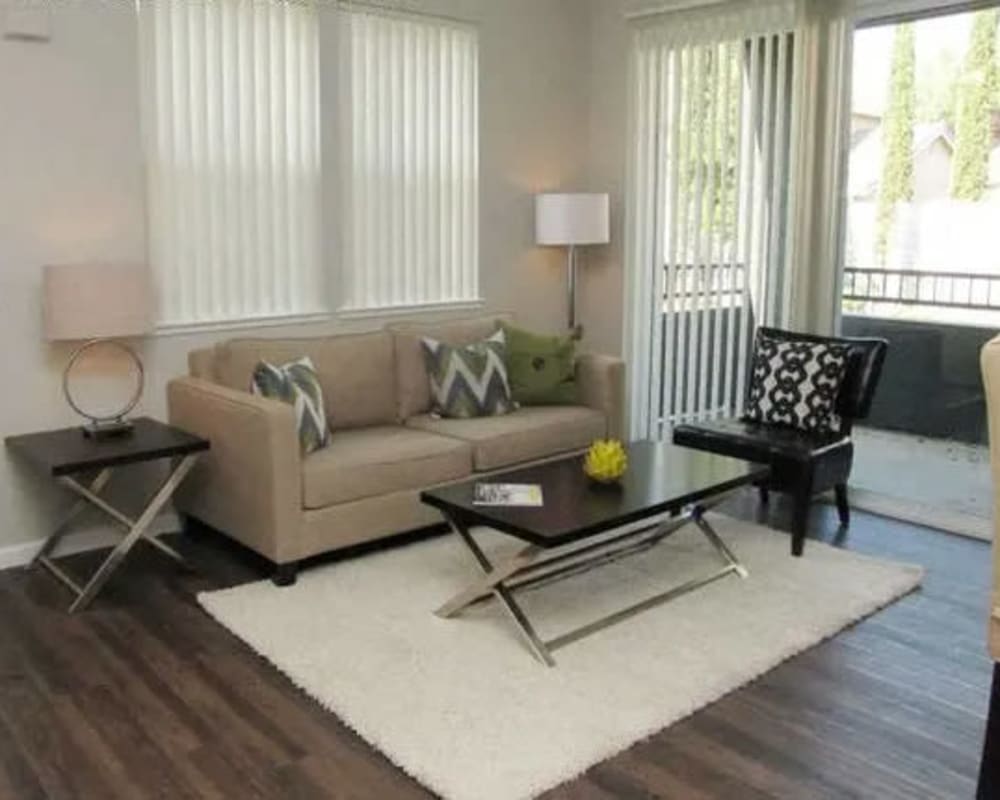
{"x":463,"y":707}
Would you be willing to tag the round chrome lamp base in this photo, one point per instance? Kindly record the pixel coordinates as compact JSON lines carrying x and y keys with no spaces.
{"x":106,"y":426}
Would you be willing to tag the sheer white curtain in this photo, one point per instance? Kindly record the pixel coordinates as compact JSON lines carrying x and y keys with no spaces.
{"x":231,"y":128}
{"x":733,"y":188}
{"x":410,"y":160}
{"x":825,"y":33}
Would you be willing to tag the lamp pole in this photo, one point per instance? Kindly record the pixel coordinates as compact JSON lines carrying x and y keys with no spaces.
{"x":575,"y":330}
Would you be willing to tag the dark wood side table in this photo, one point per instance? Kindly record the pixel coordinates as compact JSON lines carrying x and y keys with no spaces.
{"x":65,"y":453}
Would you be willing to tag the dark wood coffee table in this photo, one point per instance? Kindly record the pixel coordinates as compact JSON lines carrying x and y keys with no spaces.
{"x":580,"y":526}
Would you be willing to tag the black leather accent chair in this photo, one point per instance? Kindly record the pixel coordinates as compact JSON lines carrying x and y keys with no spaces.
{"x":802,"y":463}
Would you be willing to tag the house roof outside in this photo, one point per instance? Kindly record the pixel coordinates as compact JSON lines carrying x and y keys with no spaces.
{"x":866,"y":154}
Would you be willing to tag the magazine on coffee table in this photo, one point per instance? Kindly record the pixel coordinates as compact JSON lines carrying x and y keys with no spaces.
{"x":507,"y":494}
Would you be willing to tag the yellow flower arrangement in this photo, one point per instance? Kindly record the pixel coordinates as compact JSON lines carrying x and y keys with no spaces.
{"x":606,"y":461}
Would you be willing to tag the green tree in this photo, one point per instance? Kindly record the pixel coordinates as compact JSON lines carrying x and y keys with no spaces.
{"x":896,"y":185}
{"x":938,"y":78}
{"x":977,"y":93}
{"x":711,"y":91}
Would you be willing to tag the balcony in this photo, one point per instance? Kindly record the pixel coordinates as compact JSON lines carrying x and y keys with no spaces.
{"x":936,"y":324}
{"x":922,"y":453}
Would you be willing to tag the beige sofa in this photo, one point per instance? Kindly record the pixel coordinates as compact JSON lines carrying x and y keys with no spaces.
{"x":254,"y":486}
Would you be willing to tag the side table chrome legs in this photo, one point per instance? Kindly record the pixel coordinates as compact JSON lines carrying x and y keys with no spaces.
{"x":134,"y":529}
{"x":534,"y":565}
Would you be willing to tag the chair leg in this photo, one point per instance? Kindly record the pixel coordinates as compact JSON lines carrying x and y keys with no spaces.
{"x":285,"y":574}
{"x":800,"y":520}
{"x":191,"y":527}
{"x":843,"y":507}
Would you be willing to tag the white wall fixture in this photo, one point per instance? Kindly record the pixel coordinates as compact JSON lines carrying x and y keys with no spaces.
{"x":572,"y":220}
{"x":27,"y":23}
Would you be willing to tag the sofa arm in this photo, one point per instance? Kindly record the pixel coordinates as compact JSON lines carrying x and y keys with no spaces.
{"x":249,"y":485}
{"x":601,"y":380}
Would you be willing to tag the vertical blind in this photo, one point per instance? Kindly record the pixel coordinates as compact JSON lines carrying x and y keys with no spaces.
{"x":231,"y":124}
{"x":410,"y":204}
{"x":714,"y":102}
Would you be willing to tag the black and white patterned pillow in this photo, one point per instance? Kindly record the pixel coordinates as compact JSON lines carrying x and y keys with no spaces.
{"x":796,"y":383}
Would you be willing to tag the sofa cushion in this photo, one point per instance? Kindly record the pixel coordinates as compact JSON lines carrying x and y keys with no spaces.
{"x":542,"y":369}
{"x":525,"y":435}
{"x":757,"y":441}
{"x":412,"y":383}
{"x":470,"y":380}
{"x":796,"y":383}
{"x":366,"y":462}
{"x":296,"y":383}
{"x":355,"y":372}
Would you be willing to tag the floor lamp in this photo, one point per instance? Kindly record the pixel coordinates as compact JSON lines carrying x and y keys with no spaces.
{"x":571,"y":220}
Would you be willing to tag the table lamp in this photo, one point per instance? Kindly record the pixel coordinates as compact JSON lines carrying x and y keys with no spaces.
{"x":571,"y":220}
{"x":97,"y":304}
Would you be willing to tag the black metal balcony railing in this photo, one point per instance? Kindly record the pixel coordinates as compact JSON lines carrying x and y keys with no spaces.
{"x":713,"y":284}
{"x":913,"y":288}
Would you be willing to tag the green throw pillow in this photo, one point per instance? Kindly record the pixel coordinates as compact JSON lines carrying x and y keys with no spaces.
{"x":297,"y":384}
{"x":542,"y":369}
{"x":469,"y":381}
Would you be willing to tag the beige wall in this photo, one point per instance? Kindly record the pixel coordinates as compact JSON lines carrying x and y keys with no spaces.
{"x":602,"y":285}
{"x":71,"y":189}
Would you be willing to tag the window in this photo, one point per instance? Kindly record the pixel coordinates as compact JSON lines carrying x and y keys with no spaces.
{"x":732,"y":192}
{"x":410,"y":206}
{"x":231,"y":125}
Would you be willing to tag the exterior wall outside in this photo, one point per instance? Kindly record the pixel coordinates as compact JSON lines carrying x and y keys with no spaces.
{"x":932,"y":173}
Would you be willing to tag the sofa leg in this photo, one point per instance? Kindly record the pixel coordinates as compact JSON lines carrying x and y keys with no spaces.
{"x":285,"y":574}
{"x":800,"y":521}
{"x":843,"y":507}
{"x":765,"y":495}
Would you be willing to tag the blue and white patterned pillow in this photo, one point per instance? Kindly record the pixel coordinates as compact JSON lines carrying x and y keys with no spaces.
{"x":297,"y":384}
{"x":796,"y":383}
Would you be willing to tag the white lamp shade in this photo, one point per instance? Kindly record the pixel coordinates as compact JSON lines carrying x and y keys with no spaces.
{"x":562,"y":219}
{"x":93,"y":301}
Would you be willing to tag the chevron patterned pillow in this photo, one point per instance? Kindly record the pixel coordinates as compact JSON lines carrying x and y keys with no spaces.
{"x":297,"y":384}
{"x":468,"y":381}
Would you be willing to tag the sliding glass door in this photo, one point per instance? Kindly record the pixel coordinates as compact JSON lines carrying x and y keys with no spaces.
{"x":712,"y":134}
{"x":922,"y":263}
{"x":730,"y":184}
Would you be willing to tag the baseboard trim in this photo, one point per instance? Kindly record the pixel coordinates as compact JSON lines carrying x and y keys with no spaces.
{"x":91,"y":538}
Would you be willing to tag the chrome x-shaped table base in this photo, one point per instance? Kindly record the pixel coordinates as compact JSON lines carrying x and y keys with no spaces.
{"x":535,"y":565}
{"x":135,"y":529}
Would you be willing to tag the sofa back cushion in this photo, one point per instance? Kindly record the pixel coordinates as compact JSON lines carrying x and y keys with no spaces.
{"x":355,"y":372}
{"x":412,"y":382}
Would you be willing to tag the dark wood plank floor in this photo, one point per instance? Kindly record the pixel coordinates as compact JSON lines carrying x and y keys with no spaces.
{"x":145,"y":696}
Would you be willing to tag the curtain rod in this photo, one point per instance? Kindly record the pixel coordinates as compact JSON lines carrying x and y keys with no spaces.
{"x":395,"y":8}
{"x":942,"y":10}
{"x":661,"y":9}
